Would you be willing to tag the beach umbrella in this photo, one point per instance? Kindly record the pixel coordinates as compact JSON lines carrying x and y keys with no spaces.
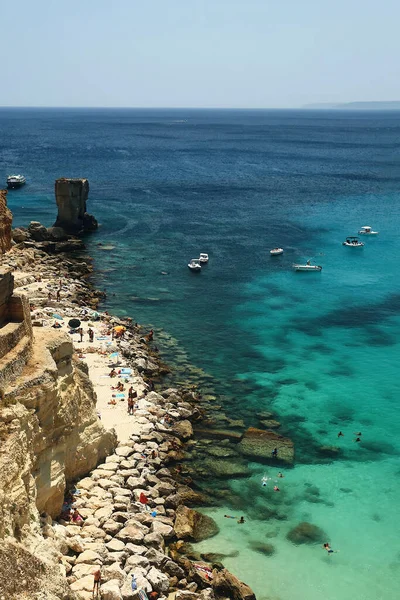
{"x":74,"y":323}
{"x":57,"y":316}
{"x":95,"y":315}
{"x":119,"y":329}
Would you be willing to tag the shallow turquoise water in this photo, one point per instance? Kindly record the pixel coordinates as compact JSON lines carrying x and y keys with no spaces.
{"x":319,"y":350}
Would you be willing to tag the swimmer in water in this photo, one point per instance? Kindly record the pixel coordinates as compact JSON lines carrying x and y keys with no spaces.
{"x":328,"y":548}
{"x":357,"y":439}
{"x":264,"y":481}
{"x":229,"y":517}
{"x":241,"y":520}
{"x":276,"y":489}
{"x":340,"y":434}
{"x":280,"y":474}
{"x":357,"y":433}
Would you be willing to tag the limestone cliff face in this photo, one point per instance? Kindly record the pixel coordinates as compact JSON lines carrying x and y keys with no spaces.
{"x":49,"y":431}
{"x":71,"y":198}
{"x":5,"y":223}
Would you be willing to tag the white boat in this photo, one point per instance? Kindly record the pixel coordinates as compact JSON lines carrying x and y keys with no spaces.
{"x":276,"y":251}
{"x":195,"y":265}
{"x":307,"y":267}
{"x":353,"y":242}
{"x":203,"y":258}
{"x":15,"y":181}
{"x":366,"y":230}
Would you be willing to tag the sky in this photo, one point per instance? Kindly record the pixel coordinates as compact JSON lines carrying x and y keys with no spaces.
{"x":198,"y":53}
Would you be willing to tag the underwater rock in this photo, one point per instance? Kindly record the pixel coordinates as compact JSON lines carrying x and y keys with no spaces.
{"x":270,"y":424}
{"x":329,"y":450}
{"x":258,"y":443}
{"x":213,"y":557}
{"x":220,"y":452}
{"x":226,"y":468}
{"x":262,"y":548}
{"x":306,"y":533}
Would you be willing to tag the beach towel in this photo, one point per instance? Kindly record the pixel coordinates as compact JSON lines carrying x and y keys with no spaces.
{"x":125,"y":371}
{"x":142,"y":595}
{"x":102,"y":337}
{"x":119,"y":395}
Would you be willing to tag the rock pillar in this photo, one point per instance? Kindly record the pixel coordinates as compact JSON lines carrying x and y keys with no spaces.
{"x":71,"y":198}
{"x":5,"y":223}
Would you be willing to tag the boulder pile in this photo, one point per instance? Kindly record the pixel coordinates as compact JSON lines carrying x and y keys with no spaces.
{"x":132,"y":507}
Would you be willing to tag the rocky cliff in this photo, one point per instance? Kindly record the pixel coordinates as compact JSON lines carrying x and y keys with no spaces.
{"x":50,"y":434}
{"x":71,"y":198}
{"x":5,"y":223}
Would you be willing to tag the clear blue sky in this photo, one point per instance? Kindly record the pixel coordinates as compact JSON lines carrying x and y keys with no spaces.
{"x":211,"y":53}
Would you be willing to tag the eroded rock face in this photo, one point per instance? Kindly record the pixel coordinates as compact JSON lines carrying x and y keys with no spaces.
{"x":258,"y":443}
{"x":49,"y":430}
{"x":5,"y":223}
{"x":71,"y":198}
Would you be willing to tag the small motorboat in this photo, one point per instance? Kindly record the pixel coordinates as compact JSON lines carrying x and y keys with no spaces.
{"x":366,"y":230}
{"x":203,"y":258}
{"x":15,"y":181}
{"x":307,"y":267}
{"x":353,"y":242}
{"x":276,"y":251}
{"x":195,"y":265}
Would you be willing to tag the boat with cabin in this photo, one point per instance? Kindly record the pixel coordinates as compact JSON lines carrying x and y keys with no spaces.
{"x":353,"y":242}
{"x":15,"y":181}
{"x":307,"y":267}
{"x":367,"y":230}
{"x":194,"y":265}
{"x":203,"y":258}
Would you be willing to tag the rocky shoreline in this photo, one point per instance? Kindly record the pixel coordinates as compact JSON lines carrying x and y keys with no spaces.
{"x":119,"y":533}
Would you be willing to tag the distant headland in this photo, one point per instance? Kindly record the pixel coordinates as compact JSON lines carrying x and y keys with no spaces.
{"x":378,"y":105}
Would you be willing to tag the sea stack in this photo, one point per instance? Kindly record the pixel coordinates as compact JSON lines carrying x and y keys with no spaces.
{"x":71,"y":198}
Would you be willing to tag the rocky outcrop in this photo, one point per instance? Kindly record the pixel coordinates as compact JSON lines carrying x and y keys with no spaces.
{"x":5,"y":223}
{"x":192,"y":525}
{"x":71,"y":198}
{"x":225,"y":584}
{"x":24,"y":574}
{"x":259,"y":443}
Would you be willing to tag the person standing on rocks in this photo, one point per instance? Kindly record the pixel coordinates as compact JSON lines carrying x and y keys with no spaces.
{"x":96,"y":582}
{"x":80,"y":330}
{"x":91,"y":334}
{"x":274,"y":453}
{"x":58,"y":296}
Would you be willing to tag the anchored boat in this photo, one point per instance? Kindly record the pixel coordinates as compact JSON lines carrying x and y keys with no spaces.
{"x":15,"y":181}
{"x":276,"y":251}
{"x":366,"y":230}
{"x":353,"y":242}
{"x":307,"y":267}
{"x":195,"y":265}
{"x":203,"y":258}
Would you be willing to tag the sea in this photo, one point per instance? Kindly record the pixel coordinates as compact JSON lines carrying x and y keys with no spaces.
{"x":318,"y":351}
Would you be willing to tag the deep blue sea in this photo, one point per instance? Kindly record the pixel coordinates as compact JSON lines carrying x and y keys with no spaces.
{"x":319,"y":350}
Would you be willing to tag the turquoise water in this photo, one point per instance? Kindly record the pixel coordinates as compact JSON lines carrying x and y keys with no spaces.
{"x":319,"y":350}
